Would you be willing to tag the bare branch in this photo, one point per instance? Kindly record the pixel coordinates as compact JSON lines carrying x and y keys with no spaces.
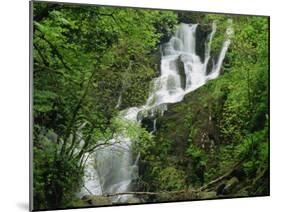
{"x":226,"y":175}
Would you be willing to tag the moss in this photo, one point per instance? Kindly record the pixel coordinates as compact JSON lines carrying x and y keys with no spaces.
{"x":207,"y":195}
{"x":230,"y":185}
{"x":98,"y":200}
{"x":78,"y":203}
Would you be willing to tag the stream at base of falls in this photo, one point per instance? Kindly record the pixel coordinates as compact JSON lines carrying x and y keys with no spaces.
{"x":112,"y":168}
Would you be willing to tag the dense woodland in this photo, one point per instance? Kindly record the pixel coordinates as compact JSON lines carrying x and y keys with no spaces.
{"x":215,"y":143}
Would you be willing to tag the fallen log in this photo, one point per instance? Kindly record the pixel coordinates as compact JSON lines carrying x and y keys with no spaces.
{"x":150,"y":193}
{"x":223,"y":177}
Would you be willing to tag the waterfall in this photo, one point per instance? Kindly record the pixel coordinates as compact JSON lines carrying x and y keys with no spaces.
{"x":111,"y":169}
{"x":154,"y":125}
{"x":119,"y":101}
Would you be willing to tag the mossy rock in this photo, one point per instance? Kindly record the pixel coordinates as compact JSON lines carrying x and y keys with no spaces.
{"x":230,"y":185}
{"x":207,"y":195}
{"x":77,"y":203}
{"x":242,"y":193}
{"x":134,"y":200}
{"x":97,"y":200}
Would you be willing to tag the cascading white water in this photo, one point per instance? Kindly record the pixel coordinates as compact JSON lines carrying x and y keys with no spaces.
{"x":119,"y":101}
{"x":111,"y":169}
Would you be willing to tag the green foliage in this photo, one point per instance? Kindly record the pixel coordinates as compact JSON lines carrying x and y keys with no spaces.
{"x":86,"y":57}
{"x":56,"y":179}
{"x":141,"y":139}
{"x":254,"y":149}
{"x":171,"y":179}
{"x":222,"y":22}
{"x":225,"y":121}
{"x":44,"y":103}
{"x":197,"y":155}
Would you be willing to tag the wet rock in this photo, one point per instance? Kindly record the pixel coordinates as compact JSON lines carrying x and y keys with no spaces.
{"x":148,"y":124}
{"x":202,"y":32}
{"x":210,"y":64}
{"x":189,"y":17}
{"x":182,"y":74}
{"x":181,"y":71}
